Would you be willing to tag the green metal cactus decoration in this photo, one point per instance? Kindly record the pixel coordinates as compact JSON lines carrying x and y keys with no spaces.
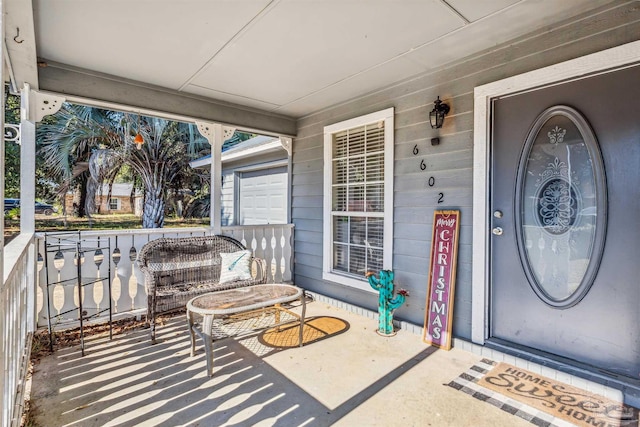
{"x":387,"y":303}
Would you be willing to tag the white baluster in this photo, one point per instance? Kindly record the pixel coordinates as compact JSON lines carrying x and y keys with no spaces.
{"x":116,"y":284}
{"x":99,"y":287}
{"x":40,"y":281}
{"x":141,"y":293}
{"x":277,"y":253}
{"x":133,"y":281}
{"x":81,"y":260}
{"x":288,"y":253}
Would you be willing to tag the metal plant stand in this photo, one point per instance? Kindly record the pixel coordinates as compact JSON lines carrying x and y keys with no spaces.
{"x":56,"y":246}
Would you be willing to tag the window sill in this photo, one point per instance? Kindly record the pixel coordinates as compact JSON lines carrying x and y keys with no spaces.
{"x":362,"y":285}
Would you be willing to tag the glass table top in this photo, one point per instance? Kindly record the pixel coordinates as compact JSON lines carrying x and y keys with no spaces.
{"x":245,"y":298}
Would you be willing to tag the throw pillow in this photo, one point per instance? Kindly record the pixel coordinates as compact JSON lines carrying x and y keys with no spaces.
{"x":235,"y":266}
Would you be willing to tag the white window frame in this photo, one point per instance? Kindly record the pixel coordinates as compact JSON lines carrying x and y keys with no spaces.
{"x":385,"y":116}
{"x":117,"y":204}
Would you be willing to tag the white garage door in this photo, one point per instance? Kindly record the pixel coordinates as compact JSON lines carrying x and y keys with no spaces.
{"x":263,"y":197}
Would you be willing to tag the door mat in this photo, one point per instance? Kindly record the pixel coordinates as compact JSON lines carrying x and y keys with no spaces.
{"x":315,"y":329}
{"x":541,"y":400}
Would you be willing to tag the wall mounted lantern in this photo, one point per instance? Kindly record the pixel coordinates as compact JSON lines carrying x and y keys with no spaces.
{"x":436,"y":116}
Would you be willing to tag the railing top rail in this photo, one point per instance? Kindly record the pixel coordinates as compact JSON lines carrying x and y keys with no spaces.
{"x":137,"y":231}
{"x":13,"y":252}
{"x":257,"y":226}
{"x":181,"y":230}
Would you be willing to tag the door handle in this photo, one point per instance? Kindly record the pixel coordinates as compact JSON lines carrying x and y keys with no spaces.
{"x":497,"y":231}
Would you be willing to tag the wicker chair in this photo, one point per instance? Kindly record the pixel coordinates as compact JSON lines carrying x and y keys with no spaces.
{"x":178,"y":269}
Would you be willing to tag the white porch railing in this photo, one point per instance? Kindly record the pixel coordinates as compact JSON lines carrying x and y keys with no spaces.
{"x":17,"y":324}
{"x":271,"y":242}
{"x":23,"y":290}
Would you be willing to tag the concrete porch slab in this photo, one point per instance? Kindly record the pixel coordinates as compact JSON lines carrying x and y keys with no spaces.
{"x":356,"y":378}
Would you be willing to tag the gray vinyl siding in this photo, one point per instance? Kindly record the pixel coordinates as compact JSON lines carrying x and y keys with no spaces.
{"x":450,"y":163}
{"x":227,"y":197}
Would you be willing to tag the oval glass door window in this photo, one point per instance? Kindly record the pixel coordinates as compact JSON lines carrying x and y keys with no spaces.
{"x":561,"y":206}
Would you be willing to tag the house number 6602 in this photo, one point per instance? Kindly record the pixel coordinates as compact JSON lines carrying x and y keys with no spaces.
{"x":423,"y":166}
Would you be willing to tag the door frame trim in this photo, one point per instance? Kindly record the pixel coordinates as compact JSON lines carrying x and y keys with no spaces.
{"x":595,"y":63}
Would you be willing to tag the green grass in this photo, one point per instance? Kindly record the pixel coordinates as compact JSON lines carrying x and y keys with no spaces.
{"x":108,"y":222}
{"x":98,"y":222}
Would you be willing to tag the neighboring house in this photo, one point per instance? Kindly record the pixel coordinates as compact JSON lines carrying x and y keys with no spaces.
{"x":118,"y":202}
{"x":255,"y":182}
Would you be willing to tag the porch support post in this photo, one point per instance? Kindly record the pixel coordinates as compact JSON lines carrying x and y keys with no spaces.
{"x":216,"y":179}
{"x":216,"y":134}
{"x":6,"y":394}
{"x":2,"y":184}
{"x":27,"y":138}
{"x":34,"y":106}
{"x":27,"y":163}
{"x":287,"y":144}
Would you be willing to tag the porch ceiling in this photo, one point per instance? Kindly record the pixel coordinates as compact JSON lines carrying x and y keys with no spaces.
{"x":279,"y":56}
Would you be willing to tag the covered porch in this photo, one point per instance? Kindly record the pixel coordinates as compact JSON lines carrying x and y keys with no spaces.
{"x":293,"y":71}
{"x":351,"y":377}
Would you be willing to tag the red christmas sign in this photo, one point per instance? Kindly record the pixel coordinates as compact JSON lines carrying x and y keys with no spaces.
{"x":442,"y":279}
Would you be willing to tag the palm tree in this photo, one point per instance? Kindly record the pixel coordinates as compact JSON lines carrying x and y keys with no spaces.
{"x":65,"y":142}
{"x":89,"y":145}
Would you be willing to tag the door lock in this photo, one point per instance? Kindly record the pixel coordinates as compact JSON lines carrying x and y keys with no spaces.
{"x":497,"y":214}
{"x":497,"y":231}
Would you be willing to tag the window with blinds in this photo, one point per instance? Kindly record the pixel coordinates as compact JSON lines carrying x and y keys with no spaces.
{"x":359,"y":193}
{"x":114,"y":204}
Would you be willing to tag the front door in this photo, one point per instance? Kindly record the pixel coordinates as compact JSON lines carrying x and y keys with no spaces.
{"x":565,"y":222}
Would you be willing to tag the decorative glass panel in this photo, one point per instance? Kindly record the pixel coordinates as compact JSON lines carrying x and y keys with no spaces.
{"x":561,"y":197}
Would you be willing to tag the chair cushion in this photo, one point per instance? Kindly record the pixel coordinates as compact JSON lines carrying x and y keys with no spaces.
{"x":235,"y":266}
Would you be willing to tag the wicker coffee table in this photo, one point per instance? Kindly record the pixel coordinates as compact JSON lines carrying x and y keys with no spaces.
{"x":240,"y":300}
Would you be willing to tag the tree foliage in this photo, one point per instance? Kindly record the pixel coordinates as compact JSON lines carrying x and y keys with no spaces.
{"x":85,"y":147}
